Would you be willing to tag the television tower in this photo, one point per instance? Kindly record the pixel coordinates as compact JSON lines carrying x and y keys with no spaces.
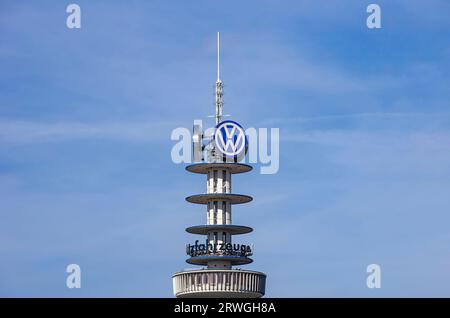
{"x":217,"y":253}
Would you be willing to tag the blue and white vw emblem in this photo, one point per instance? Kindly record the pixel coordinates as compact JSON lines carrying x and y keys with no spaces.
{"x":230,"y":139}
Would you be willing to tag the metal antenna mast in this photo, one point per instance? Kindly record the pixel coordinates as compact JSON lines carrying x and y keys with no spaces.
{"x":219,"y":86}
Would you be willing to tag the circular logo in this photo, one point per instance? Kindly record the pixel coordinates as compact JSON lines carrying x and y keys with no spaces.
{"x":230,"y":139}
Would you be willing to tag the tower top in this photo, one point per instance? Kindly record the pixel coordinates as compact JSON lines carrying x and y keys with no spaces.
{"x":219,"y":86}
{"x":218,"y":57}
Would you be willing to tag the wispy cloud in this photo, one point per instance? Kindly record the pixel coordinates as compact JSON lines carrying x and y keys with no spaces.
{"x":13,"y":131}
{"x":357,"y":116}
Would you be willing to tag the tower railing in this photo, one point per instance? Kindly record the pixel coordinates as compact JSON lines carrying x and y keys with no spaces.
{"x":233,"y":283}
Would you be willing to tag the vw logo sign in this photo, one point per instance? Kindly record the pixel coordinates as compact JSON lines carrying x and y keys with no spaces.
{"x":230,"y":139}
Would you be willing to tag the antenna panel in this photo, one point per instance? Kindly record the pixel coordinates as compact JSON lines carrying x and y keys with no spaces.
{"x":197,"y":142}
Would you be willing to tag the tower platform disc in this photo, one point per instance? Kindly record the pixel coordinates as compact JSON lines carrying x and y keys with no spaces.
{"x":229,"y":197}
{"x":204,"y":259}
{"x":232,"y":229}
{"x":204,"y":168}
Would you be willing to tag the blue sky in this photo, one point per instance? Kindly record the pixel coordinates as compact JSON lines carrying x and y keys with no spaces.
{"x":86,"y":115}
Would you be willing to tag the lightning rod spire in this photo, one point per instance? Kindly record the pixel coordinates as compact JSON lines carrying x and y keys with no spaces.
{"x":219,"y":85}
{"x":218,"y":56}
